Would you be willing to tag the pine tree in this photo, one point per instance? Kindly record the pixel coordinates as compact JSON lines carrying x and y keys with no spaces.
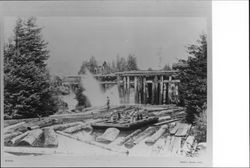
{"x":27,"y":87}
{"x":193,"y":76}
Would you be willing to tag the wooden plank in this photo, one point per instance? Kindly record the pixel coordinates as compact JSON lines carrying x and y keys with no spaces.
{"x":135,"y":140}
{"x":157,"y":135}
{"x":110,"y":148}
{"x":31,"y":150}
{"x":166,"y":122}
{"x":32,"y":138}
{"x":50,"y":138}
{"x":64,"y":126}
{"x":125,"y":139}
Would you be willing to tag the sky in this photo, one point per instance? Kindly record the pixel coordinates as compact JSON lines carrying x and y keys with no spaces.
{"x":155,"y":41}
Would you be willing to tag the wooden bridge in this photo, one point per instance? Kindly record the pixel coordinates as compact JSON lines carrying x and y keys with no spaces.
{"x":144,"y":87}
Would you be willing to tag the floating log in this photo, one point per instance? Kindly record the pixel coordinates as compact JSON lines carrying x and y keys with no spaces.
{"x":165,"y":122}
{"x":8,"y":128}
{"x":94,"y":143}
{"x":176,"y":145}
{"x":78,"y":128}
{"x":8,"y":137}
{"x":32,"y":138}
{"x":156,"y":135}
{"x":33,"y":127}
{"x":18,"y":138}
{"x":50,"y":137}
{"x":138,"y":138}
{"x":125,"y":139}
{"x":60,"y":127}
{"x":43,"y":124}
{"x":109,"y":135}
{"x":164,"y":118}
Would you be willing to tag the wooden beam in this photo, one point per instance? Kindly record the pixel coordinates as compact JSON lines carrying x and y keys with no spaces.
{"x":164,"y":92}
{"x":144,"y":90}
{"x":128,"y":88}
{"x":136,"y":92}
{"x":124,"y":90}
{"x":153,"y":93}
{"x":161,"y":91}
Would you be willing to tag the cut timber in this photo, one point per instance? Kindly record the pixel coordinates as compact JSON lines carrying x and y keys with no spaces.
{"x":42,"y":124}
{"x":18,"y":138}
{"x":183,"y":130}
{"x":125,"y":139}
{"x":78,"y":128}
{"x":132,"y":142}
{"x":60,"y":127}
{"x":50,"y":137}
{"x":31,"y":139}
{"x":6,"y":129}
{"x":166,"y":122}
{"x":109,"y":135}
{"x":94,"y":143}
{"x":164,"y":118}
{"x":8,"y":137}
{"x":156,"y":135}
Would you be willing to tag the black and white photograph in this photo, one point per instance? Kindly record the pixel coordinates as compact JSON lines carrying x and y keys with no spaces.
{"x":113,"y":79}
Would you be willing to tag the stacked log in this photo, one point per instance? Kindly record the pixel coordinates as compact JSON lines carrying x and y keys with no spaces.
{"x":125,"y":139}
{"x":109,"y":135}
{"x":17,"y":139}
{"x":61,"y":127}
{"x":156,"y":135}
{"x":32,"y":138}
{"x":78,"y":128}
{"x":138,"y":138}
{"x":9,"y":136}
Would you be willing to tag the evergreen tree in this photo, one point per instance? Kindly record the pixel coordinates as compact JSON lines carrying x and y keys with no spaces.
{"x":27,"y":87}
{"x":193,"y":76}
{"x":132,"y":64}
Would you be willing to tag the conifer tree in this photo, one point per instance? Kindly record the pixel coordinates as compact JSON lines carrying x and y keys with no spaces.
{"x":193,"y":76}
{"x":27,"y":87}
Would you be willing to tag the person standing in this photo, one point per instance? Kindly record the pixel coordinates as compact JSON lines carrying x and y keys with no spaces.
{"x":108,"y":104}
